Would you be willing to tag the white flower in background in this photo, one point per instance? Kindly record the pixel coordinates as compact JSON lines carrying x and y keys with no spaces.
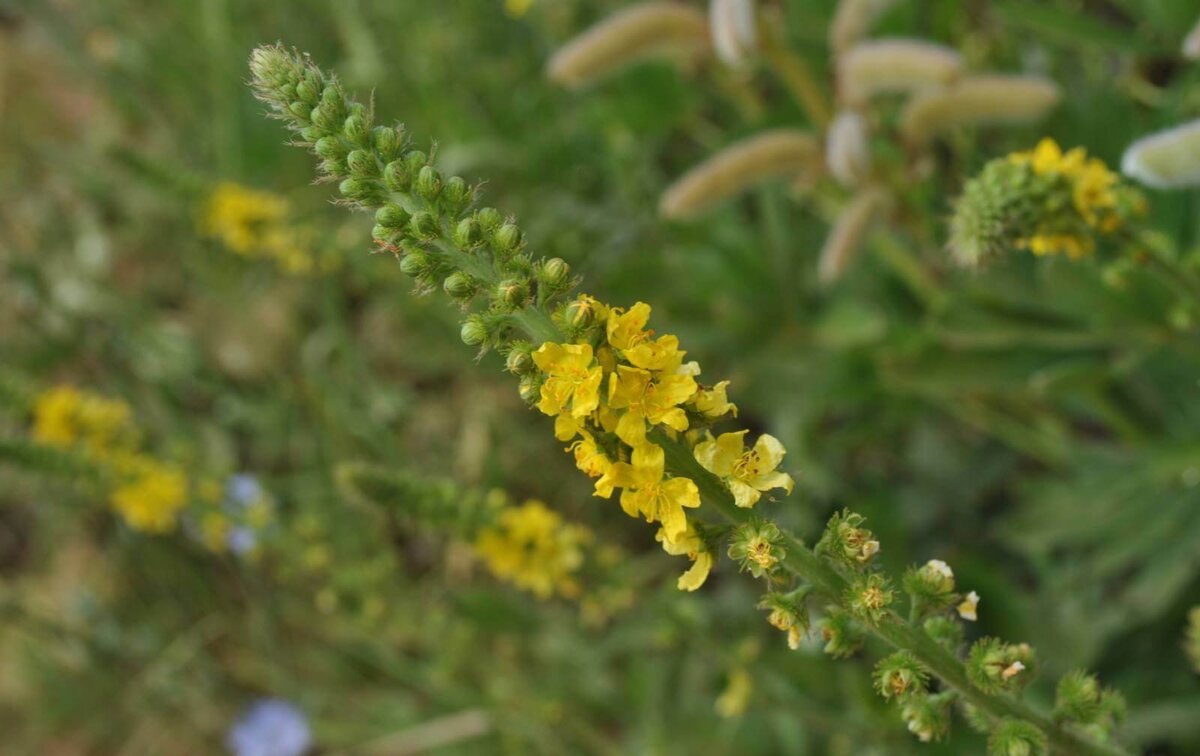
{"x":1166,"y":160}
{"x":734,"y":30}
{"x":847,"y":153}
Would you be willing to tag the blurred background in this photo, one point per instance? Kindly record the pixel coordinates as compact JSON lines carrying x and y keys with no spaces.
{"x":160,"y":245}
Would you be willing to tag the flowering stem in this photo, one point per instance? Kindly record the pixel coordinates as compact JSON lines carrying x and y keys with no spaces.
{"x":892,"y":629}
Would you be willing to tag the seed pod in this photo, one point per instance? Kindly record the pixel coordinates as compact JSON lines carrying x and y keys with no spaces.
{"x":894,"y":65}
{"x":846,"y":236}
{"x":847,"y":151}
{"x":1166,"y":160}
{"x":852,"y":20}
{"x":628,"y":36}
{"x":977,"y":99}
{"x":771,"y":154}
{"x":734,"y":28}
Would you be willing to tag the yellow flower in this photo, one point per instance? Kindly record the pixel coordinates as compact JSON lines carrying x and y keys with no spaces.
{"x":661,"y":354}
{"x":747,"y":472}
{"x":969,"y":608}
{"x":647,"y":399}
{"x":573,"y":381}
{"x":1072,"y":246}
{"x":647,"y":492}
{"x":733,"y":700}
{"x":625,"y":329}
{"x":65,"y":416}
{"x":594,"y":463}
{"x":689,"y":544}
{"x":533,"y":548}
{"x":241,"y":217}
{"x":713,"y":402}
{"x":151,"y":495}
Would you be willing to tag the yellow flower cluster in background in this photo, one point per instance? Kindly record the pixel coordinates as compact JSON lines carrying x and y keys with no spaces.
{"x":1093,"y":196}
{"x":618,"y":383}
{"x":147,"y":493}
{"x":258,"y":224}
{"x":532,"y":547}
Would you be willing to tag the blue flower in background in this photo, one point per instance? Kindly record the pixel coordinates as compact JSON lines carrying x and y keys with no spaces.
{"x":243,"y":489}
{"x":242,"y":540}
{"x":270,"y":727}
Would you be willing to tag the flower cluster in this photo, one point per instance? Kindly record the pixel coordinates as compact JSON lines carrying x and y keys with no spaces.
{"x":258,"y":224}
{"x":235,"y":516}
{"x":616,"y":387}
{"x":532,"y":547}
{"x":148,"y":493}
{"x":1043,"y":200}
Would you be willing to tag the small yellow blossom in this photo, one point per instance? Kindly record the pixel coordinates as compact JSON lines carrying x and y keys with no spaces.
{"x":747,"y":472}
{"x":594,"y":463}
{"x":1012,"y":670}
{"x":626,"y":329}
{"x":255,"y":223}
{"x":573,"y":382}
{"x":689,"y":544}
{"x":968,"y":609}
{"x":713,"y":402}
{"x":65,"y":416}
{"x":649,"y":494}
{"x":150,"y":495}
{"x":534,"y":549}
{"x":648,"y":399}
{"x":733,"y":700}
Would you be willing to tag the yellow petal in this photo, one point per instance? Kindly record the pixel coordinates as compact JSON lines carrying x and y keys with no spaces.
{"x":767,"y":481}
{"x":769,"y":450}
{"x":631,"y":429}
{"x":729,"y":450}
{"x":743,"y":495}
{"x":697,"y":574}
{"x":675,"y":419}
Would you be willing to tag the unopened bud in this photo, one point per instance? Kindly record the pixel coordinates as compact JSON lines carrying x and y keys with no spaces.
{"x":386,"y":142}
{"x":520,"y":359}
{"x":513,"y":292}
{"x":474,"y":331}
{"x":424,"y":225}
{"x":580,"y":313}
{"x":467,"y":233}
{"x":329,"y":148}
{"x":360,"y":190}
{"x":309,"y":94}
{"x":362,"y":164}
{"x":415,"y":263}
{"x":460,"y":286}
{"x":392,"y":215}
{"x":507,"y":239}
{"x":555,"y":272}
{"x":429,"y":183}
{"x":530,"y":388}
{"x":397,"y":177}
{"x":355,"y":129}
{"x":456,"y":193}
{"x":489,"y":219}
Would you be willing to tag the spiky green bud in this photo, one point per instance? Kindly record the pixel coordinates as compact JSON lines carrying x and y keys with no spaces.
{"x":1016,"y":737}
{"x":900,"y":676}
{"x":474,"y":331}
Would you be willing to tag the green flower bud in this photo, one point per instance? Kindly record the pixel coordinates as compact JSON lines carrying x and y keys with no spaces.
{"x":554,"y":273}
{"x":841,"y":635}
{"x":361,"y":190}
{"x":474,"y":331}
{"x":333,"y":102}
{"x":386,"y":142}
{"x":325,"y":118}
{"x":429,"y":183}
{"x":513,"y":293}
{"x":460,"y":286}
{"x":520,"y":358}
{"x":425,"y":225}
{"x":332,"y":167}
{"x":382,"y":233}
{"x":355,"y":129}
{"x":489,"y":219}
{"x":506,"y":239}
{"x":1016,"y":737}
{"x":300,"y":110}
{"x":467,"y":233}
{"x":415,"y":263}
{"x":308,"y":93}
{"x":310,"y":134}
{"x":994,"y":666}
{"x":397,"y":177}
{"x":362,"y":164}
{"x":392,"y":215}
{"x":946,"y":631}
{"x":928,"y":717}
{"x":580,"y":313}
{"x":329,"y":148}
{"x":1077,"y":697}
{"x":456,"y":194}
{"x":414,"y":161}
{"x":900,"y":676}
{"x":530,"y":388}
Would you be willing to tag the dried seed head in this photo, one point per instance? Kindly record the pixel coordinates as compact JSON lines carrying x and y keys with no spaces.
{"x":977,"y":99}
{"x":846,"y":236}
{"x":852,"y":20}
{"x":628,"y":36}
{"x":771,"y":154}
{"x":734,"y":30}
{"x":894,"y":65}
{"x":1166,"y":160}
